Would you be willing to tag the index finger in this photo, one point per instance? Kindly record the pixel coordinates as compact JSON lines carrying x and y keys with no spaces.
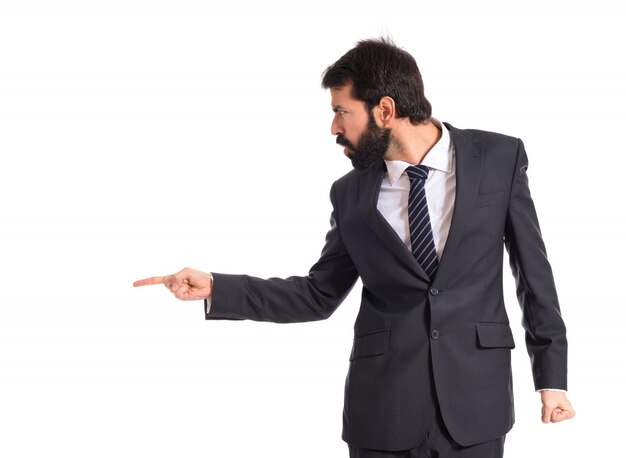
{"x":149,"y":281}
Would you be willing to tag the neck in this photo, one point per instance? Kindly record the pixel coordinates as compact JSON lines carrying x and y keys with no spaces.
{"x":411,"y":143}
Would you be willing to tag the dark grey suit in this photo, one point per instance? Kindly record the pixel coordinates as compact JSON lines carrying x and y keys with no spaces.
{"x":416,"y":337}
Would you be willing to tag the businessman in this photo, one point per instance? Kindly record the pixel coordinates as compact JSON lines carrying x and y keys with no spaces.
{"x":423,"y":221}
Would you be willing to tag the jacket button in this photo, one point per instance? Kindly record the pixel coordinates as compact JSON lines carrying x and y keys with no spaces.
{"x":434,"y":291}
{"x":434,"y":334}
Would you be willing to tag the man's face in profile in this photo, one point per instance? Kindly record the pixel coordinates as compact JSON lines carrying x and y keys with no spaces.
{"x":356,"y":129}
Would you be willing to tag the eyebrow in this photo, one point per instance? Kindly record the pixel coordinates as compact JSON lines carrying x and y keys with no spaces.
{"x":339,"y":108}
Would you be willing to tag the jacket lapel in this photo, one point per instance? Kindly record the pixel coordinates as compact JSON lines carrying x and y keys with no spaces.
{"x":468,"y":171}
{"x":468,"y":160}
{"x":369,"y":188}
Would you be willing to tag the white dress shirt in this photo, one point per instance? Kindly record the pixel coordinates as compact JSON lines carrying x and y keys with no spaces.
{"x":440,"y":188}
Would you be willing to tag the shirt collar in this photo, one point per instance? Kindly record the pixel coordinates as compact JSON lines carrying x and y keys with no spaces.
{"x":439,"y":157}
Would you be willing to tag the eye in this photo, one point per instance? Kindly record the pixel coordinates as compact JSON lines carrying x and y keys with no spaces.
{"x":340,"y":111}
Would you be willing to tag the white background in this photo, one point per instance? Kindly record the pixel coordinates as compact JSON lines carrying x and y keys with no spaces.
{"x":138,"y":137}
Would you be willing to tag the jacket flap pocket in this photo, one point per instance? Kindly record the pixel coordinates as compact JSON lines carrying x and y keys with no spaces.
{"x":487,"y":200}
{"x":370,"y":344}
{"x":495,"y":335}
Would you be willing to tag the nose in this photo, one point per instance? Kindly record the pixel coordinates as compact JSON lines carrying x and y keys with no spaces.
{"x":336,"y":128}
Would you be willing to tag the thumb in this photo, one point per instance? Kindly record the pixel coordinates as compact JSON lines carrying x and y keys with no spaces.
{"x":557,"y":415}
{"x":546,"y":414}
{"x":183,"y":276}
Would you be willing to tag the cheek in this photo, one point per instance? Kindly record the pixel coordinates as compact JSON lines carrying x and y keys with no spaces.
{"x":353,"y":133}
{"x":353,"y":139}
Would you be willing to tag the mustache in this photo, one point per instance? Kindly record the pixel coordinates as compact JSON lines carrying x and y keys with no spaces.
{"x":341,"y":140}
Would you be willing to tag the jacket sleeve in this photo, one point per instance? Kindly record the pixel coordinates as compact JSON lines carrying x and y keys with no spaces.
{"x":289,"y":300}
{"x":545,"y":330}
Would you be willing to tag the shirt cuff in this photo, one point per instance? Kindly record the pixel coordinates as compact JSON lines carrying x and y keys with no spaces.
{"x":207,"y":301}
{"x":552,"y":389}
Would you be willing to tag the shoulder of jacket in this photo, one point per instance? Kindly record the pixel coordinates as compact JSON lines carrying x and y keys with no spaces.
{"x":486,"y":137}
{"x":346,"y":180}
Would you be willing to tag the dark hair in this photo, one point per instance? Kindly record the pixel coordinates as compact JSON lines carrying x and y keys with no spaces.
{"x":378,"y":68}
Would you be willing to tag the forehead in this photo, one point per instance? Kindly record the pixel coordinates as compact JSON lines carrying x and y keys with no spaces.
{"x":342,"y":96}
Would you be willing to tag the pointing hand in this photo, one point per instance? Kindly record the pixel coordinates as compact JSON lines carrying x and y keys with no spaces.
{"x":187,"y":285}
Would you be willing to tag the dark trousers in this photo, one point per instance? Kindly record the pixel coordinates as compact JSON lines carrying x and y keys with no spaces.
{"x":437,"y":444}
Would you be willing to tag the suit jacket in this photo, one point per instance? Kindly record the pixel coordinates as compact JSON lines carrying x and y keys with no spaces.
{"x":417,"y":337}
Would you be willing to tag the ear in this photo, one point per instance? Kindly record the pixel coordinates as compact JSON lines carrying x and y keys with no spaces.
{"x":387,"y":109}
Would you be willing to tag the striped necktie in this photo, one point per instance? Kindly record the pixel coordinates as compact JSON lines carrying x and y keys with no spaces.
{"x":422,"y":242}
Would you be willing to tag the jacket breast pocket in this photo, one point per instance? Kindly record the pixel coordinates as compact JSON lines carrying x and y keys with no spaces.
{"x":488,"y":200}
{"x":370,"y":344}
{"x":494,"y":335}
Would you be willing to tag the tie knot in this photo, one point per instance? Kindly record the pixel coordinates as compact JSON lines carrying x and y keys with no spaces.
{"x":417,"y":172}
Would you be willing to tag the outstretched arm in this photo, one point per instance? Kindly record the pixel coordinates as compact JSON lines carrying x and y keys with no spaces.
{"x":281,"y":300}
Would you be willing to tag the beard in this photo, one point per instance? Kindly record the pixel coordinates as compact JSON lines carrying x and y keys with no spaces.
{"x":370,"y":148}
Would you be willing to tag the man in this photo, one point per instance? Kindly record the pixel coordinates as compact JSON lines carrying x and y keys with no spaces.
{"x":423,"y":221}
